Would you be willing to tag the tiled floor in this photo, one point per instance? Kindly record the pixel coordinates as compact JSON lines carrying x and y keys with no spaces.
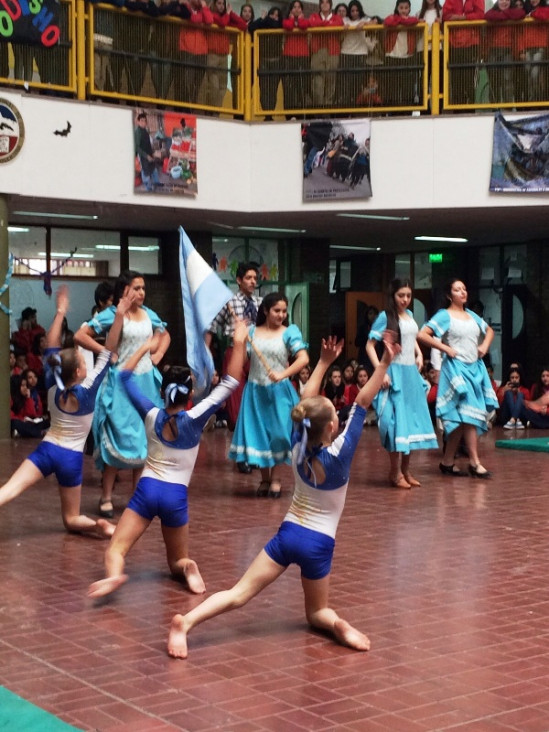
{"x":449,"y":580}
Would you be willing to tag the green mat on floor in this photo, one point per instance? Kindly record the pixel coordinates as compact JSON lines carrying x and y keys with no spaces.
{"x":18,"y":714}
{"x":536,"y":444}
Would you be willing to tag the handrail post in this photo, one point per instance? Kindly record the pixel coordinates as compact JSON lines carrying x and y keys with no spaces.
{"x":247,"y":74}
{"x":81,"y":49}
{"x":435,"y":69}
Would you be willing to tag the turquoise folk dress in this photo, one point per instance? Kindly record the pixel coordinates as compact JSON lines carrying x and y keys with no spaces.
{"x":465,"y":394}
{"x":118,"y":430}
{"x":403,"y":415}
{"x":264,"y":426}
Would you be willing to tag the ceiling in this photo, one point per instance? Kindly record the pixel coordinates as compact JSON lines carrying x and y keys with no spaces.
{"x":480,"y":226}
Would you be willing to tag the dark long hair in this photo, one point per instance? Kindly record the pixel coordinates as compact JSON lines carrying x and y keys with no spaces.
{"x":267,"y":303}
{"x":391,"y":309}
{"x":334,"y":392}
{"x":448,"y":290}
{"x":124,"y":280}
{"x":17,"y":399}
{"x":356,"y":4}
{"x":538,"y":388}
{"x":424,"y":7}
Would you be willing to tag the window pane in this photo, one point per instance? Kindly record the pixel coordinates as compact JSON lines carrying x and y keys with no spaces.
{"x":26,"y":243}
{"x":423,"y":278}
{"x":402,"y":266}
{"x":144,"y":254}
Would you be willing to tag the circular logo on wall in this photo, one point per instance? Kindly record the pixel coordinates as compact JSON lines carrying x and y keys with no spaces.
{"x":12,"y":131}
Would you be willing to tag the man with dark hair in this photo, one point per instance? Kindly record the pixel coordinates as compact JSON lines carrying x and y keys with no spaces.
{"x":144,"y":150}
{"x":243,"y":305}
{"x":28,"y":330}
{"x":103,"y":295}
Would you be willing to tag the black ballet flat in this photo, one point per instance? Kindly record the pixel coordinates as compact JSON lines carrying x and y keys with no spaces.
{"x":264,"y":489}
{"x":275,"y":494}
{"x":243,"y":468}
{"x":474,"y":473}
{"x":105,"y":512}
{"x":452,"y":470}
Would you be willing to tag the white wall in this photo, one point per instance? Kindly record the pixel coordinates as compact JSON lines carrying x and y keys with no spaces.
{"x":424,"y":162}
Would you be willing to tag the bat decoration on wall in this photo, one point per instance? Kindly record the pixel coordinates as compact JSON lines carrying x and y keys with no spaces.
{"x":65,"y":132}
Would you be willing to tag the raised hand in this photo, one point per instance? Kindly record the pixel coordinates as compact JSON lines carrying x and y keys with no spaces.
{"x":62,"y":299}
{"x":330,"y":349}
{"x":127,"y":300}
{"x":240,"y":331}
{"x":392,"y":348}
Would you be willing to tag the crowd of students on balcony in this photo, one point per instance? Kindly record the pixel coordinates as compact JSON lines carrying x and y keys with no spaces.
{"x":363,"y":66}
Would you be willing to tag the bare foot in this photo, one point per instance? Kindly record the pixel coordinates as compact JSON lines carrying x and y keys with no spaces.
{"x":104,"y":528}
{"x":414,"y":482}
{"x":106,"y":586}
{"x":194,"y":580}
{"x":177,"y":639}
{"x":349,"y":636}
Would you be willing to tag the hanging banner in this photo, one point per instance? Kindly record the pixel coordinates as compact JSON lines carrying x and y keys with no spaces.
{"x":165,"y":153}
{"x":34,"y":22}
{"x":520,"y":155}
{"x":336,"y":160}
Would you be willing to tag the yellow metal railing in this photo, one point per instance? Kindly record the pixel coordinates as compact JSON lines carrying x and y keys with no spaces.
{"x":135,"y":57}
{"x":36,"y":67}
{"x":487,"y":66}
{"x":328,"y":80}
{"x":114,"y":54}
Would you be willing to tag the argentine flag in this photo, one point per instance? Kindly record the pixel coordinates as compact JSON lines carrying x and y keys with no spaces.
{"x":204,"y":295}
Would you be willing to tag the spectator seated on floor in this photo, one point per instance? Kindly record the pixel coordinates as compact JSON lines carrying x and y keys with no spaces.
{"x":511,"y":396}
{"x":25,"y":421}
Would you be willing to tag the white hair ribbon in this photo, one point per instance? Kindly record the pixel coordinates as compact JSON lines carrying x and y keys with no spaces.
{"x":172,"y":390}
{"x":56,"y":358}
{"x":305,"y":424}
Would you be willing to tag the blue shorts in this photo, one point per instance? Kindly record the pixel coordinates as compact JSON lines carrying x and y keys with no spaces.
{"x":168,"y":501}
{"x":309,"y":549}
{"x":66,"y":464}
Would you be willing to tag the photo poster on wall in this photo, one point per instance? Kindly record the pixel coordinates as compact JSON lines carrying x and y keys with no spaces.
{"x":520,"y":155}
{"x":165,"y":152}
{"x":336,"y":160}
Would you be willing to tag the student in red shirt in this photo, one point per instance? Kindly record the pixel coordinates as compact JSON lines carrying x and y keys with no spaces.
{"x":325,"y":48}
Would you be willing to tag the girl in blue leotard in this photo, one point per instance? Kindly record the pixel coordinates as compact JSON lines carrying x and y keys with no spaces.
{"x":321,"y":466}
{"x":71,"y":400}
{"x":173,"y":438}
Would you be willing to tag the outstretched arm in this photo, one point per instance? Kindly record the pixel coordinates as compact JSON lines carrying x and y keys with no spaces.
{"x":53,"y":336}
{"x":136,"y":357}
{"x":374,"y":383}
{"x":238,"y":356}
{"x":330,"y":349}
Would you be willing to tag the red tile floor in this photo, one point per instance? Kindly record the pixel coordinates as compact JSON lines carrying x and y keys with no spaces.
{"x":449,"y":580}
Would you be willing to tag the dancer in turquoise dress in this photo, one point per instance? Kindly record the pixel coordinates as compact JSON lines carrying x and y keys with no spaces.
{"x":401,"y":405}
{"x":263,"y":428}
{"x":118,"y":430}
{"x":465,"y":394}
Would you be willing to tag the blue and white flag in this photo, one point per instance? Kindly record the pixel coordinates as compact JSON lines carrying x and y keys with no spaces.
{"x":204,"y":296}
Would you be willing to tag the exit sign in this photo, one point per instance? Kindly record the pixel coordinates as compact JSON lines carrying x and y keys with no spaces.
{"x":436,"y":257}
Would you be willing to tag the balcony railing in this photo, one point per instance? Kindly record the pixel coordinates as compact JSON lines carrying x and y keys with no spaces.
{"x":115,"y":54}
